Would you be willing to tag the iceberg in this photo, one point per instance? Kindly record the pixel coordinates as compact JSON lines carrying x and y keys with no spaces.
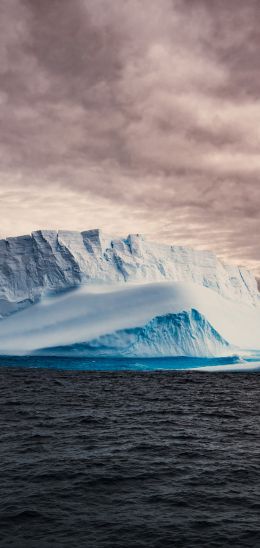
{"x":89,"y":294}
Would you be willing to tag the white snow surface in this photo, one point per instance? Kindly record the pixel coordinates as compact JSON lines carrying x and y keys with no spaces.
{"x":50,"y":260}
{"x":90,"y":312}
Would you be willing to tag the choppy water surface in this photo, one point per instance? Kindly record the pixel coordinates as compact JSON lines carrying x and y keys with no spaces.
{"x":129,"y":459}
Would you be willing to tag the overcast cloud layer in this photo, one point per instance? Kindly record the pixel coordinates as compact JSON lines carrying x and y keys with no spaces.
{"x":134,"y":116}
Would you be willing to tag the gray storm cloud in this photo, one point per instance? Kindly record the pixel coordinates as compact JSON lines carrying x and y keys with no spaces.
{"x":139,"y":115}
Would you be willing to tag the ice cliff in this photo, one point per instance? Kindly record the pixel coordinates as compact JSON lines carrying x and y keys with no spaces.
{"x":49,"y":260}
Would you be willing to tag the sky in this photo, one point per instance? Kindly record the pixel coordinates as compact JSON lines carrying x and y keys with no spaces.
{"x":133,"y":116}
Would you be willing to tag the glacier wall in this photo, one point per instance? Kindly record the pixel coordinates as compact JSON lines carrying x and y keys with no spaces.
{"x":46,"y":261}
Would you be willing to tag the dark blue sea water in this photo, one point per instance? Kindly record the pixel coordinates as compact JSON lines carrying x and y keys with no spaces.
{"x":127,"y":458}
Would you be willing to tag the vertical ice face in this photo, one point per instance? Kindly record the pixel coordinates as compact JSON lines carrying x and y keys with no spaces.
{"x":50,"y":260}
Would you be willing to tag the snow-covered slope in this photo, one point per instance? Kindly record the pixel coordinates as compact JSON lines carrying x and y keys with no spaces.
{"x":50,"y":260}
{"x":189,"y":318}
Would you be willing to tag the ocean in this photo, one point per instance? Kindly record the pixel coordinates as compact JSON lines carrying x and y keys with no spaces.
{"x":128,"y":457}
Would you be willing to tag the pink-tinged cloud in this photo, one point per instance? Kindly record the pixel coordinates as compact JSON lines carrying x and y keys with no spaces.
{"x":140,"y":115}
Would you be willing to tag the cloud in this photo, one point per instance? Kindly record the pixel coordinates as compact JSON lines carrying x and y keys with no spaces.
{"x":140,"y":115}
